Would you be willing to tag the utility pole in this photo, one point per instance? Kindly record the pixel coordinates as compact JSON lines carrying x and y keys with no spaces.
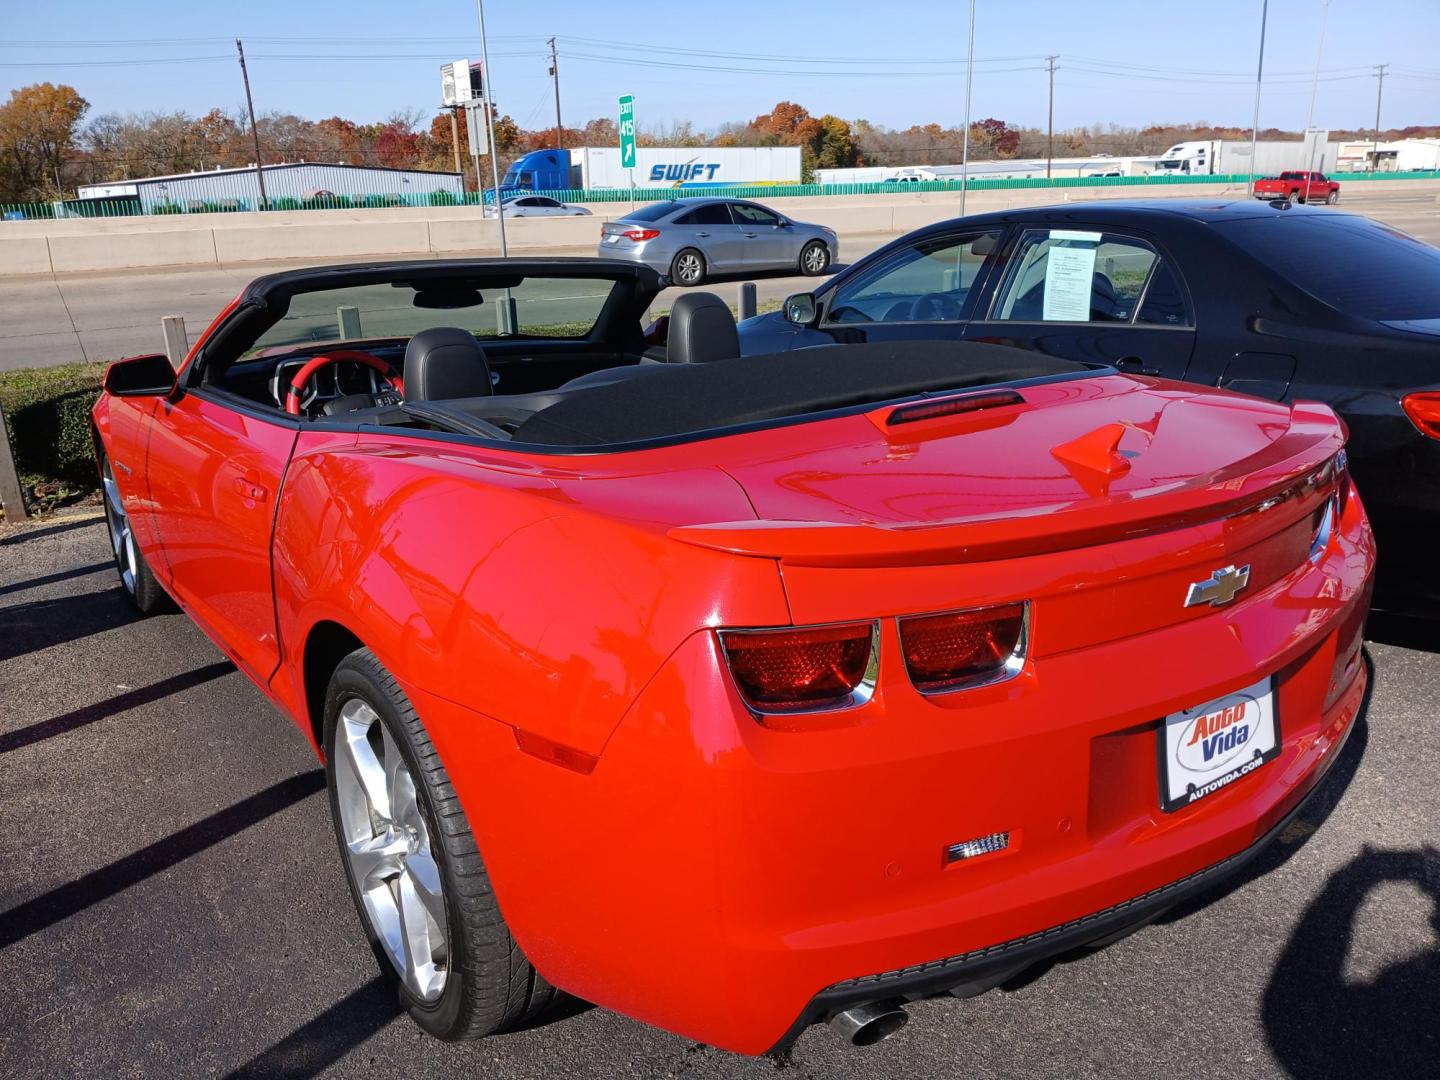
{"x":555,"y":73}
{"x":965,"y":144}
{"x":455,"y":145}
{"x":1259,"y":75}
{"x":254,"y":131}
{"x":1050,"y":124}
{"x":1379,"y":87}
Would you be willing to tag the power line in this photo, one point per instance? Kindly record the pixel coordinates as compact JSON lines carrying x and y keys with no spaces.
{"x":632,"y":62}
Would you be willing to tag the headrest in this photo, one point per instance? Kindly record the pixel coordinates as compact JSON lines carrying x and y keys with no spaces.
{"x":445,"y":362}
{"x":701,"y":330}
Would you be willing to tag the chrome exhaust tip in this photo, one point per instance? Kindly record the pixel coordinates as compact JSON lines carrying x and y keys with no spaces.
{"x":870,"y":1022}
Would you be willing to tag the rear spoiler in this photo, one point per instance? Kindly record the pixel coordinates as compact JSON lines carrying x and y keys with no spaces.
{"x":1259,"y":482}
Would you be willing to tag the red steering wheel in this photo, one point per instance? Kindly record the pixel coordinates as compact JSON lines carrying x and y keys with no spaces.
{"x":296,"y":393}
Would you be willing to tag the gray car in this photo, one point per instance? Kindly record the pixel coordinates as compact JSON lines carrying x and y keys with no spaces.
{"x":691,"y":239}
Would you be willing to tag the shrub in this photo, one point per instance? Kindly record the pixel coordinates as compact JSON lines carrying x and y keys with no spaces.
{"x":48,"y":413}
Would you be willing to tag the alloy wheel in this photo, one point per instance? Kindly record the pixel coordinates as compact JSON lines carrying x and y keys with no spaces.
{"x":122,"y":540}
{"x":815,"y":259}
{"x":688,"y":267}
{"x":388,"y":847}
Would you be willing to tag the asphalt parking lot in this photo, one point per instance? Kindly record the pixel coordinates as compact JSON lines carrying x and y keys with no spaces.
{"x":172,"y":904}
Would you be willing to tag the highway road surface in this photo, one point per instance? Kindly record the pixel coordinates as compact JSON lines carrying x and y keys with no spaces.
{"x":47,"y":320}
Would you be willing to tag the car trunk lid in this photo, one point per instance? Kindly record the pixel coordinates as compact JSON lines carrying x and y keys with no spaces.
{"x":1092,"y":495}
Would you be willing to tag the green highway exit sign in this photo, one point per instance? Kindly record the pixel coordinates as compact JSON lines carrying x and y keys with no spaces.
{"x":627,"y":132}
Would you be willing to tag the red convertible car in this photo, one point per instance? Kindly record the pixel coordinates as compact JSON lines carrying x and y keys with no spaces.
{"x":738,"y":695}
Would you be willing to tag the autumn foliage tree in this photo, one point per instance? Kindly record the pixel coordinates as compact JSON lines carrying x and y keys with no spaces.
{"x":45,"y":151}
{"x":37,"y":134}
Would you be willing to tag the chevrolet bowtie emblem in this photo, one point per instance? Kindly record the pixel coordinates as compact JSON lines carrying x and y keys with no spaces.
{"x":1219,"y":588}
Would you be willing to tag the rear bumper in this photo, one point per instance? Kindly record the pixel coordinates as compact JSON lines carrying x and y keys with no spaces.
{"x":648,"y":254}
{"x":983,"y":969}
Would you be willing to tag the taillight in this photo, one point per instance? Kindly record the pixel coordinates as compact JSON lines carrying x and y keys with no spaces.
{"x":803,"y":669}
{"x":640,"y":235}
{"x":1326,"y":517}
{"x":1423,"y":409}
{"x":962,"y":649}
{"x":1342,"y":484}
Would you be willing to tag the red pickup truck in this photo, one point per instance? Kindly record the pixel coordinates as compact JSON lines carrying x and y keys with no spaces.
{"x":1298,"y":187}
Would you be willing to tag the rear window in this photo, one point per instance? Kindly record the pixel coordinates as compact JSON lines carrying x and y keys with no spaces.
{"x":544,"y":308}
{"x":653,"y":212}
{"x":709,"y":214}
{"x":1353,"y":264}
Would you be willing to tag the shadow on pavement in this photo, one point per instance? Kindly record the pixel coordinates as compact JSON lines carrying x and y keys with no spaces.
{"x":1319,"y":1024}
{"x":63,"y":575}
{"x":73,"y":897}
{"x":40,"y":624}
{"x":321,"y":1042}
{"x":50,"y":530}
{"x":131,"y":699}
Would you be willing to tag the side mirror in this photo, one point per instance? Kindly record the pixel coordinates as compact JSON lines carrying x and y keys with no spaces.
{"x":784,"y":224}
{"x":140,"y":376}
{"x":800,"y":309}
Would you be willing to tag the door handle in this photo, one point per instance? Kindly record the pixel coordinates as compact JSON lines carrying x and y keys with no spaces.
{"x":702,"y":234}
{"x":250,"y":490}
{"x":751,"y":234}
{"x":1135,"y":366}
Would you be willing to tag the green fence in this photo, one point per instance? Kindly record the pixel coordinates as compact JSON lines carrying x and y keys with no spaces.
{"x":129,"y":207}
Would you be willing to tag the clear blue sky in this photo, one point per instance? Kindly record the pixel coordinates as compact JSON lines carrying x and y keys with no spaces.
{"x":1130,"y":62}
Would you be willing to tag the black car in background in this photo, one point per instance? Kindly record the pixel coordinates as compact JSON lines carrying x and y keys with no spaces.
{"x":1276,"y":300}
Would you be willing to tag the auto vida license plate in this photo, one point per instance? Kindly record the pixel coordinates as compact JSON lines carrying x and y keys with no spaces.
{"x":1205,"y":748}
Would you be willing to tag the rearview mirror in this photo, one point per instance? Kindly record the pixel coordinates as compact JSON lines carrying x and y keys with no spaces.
{"x":800,"y":309}
{"x":447,"y":298}
{"x":140,"y":376}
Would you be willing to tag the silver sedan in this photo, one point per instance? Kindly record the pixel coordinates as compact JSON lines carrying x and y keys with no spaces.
{"x":691,"y":239}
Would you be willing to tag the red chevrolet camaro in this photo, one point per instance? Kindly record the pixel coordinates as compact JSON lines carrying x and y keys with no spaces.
{"x":738,"y":695}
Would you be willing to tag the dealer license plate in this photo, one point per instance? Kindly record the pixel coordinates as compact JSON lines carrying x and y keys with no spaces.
{"x":1212,"y":745}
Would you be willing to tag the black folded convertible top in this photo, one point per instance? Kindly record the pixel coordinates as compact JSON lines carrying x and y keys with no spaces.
{"x":666,"y":401}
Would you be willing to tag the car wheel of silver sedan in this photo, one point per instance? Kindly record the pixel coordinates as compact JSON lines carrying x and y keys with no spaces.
{"x":414,"y":869}
{"x":688,"y":268}
{"x":814,"y":258}
{"x":141,"y":588}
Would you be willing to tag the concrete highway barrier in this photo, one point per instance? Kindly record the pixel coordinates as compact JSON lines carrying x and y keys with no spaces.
{"x":76,"y":245}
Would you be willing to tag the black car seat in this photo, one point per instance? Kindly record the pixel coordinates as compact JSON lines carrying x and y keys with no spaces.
{"x":702,"y":329}
{"x":445,"y":362}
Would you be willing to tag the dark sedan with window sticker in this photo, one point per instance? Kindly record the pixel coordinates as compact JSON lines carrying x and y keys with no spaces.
{"x":1283,"y":302}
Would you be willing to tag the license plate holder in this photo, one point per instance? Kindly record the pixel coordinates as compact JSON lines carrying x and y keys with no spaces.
{"x":1208,"y":747}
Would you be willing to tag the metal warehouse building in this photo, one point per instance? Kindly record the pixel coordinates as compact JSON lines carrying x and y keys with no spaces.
{"x":238,"y":189}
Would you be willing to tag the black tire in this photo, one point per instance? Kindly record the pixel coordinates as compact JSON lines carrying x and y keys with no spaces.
{"x":137,"y":581}
{"x":688,"y":268}
{"x":490,"y":986}
{"x":811,"y":264}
